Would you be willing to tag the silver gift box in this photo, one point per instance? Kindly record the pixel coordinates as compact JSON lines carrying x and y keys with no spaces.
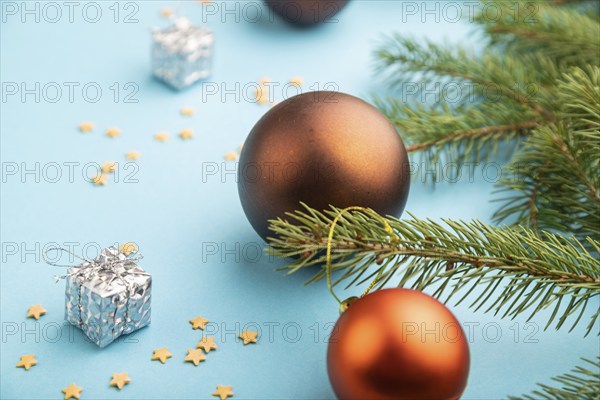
{"x":108,"y":297}
{"x":182,"y":53}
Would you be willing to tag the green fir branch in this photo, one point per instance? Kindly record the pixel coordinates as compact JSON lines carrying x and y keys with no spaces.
{"x":515,"y":80}
{"x":482,"y":101}
{"x":519,"y":271}
{"x":580,"y":100}
{"x":444,"y":131}
{"x":581,"y":384}
{"x":554,"y":180}
{"x":497,"y":74}
{"x":566,"y":35}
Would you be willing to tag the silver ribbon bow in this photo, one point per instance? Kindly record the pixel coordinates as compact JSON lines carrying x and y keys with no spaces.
{"x":110,"y":264}
{"x":184,"y":38}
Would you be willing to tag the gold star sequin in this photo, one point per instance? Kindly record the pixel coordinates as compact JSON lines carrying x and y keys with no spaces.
{"x":36,"y":311}
{"x":186,"y":134}
{"x":120,"y":380}
{"x":161,"y":355}
{"x":100,"y":179}
{"x":231,"y":156}
{"x":198,"y":323}
{"x":132,"y":155}
{"x":128,"y":248}
{"x":27,"y":361}
{"x":113,"y":132}
{"x":249,"y":337}
{"x":207,"y":344}
{"x":72,"y":392}
{"x":166,"y":12}
{"x":223,"y":392}
{"x":187,"y":111}
{"x":161,"y":137}
{"x":86,"y":127}
{"x":108,"y":167}
{"x":262,"y":95}
{"x":296,"y":80}
{"x":194,"y":356}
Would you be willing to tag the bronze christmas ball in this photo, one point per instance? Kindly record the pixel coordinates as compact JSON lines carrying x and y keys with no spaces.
{"x":306,"y":12}
{"x":398,"y":344}
{"x":321,"y":148}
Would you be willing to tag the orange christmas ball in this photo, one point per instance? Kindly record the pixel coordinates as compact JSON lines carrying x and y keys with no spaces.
{"x":398,"y":344}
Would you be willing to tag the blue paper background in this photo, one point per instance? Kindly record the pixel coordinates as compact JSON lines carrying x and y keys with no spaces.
{"x":176,"y":218}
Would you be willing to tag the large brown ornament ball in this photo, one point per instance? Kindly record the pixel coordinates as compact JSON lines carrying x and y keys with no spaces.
{"x":398,"y":344}
{"x":306,"y":12}
{"x":321,"y":148}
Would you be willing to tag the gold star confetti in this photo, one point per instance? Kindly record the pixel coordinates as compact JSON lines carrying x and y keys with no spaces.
{"x":132,"y":155}
{"x":166,"y":12}
{"x":161,"y":137}
{"x":86,"y":127}
{"x":198,"y":323}
{"x":248,"y":337}
{"x":187,"y":111}
{"x":113,"y":132}
{"x":120,"y":380}
{"x":262,"y":95}
{"x":100,"y":179}
{"x":186,"y":134}
{"x":207,"y":344}
{"x":27,"y":361}
{"x":194,"y":356}
{"x":161,"y":355}
{"x":231,"y":156}
{"x":223,"y":392}
{"x":264,"y":80}
{"x":128,"y":248}
{"x":108,"y":167}
{"x":36,"y":311}
{"x":296,"y":80}
{"x":72,"y":392}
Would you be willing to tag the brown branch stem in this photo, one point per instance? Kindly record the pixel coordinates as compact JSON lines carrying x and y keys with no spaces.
{"x":436,"y":253}
{"x":564,"y":147}
{"x":474,"y":133}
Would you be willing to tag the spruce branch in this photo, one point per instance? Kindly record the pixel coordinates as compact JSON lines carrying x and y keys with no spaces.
{"x":406,"y":59}
{"x":531,"y":44}
{"x":565,"y":34}
{"x":444,"y":130}
{"x":481,"y":102}
{"x":581,"y":384}
{"x":451,"y":259}
{"x":554,"y":179}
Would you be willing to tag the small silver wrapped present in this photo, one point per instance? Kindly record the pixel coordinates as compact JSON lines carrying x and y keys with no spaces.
{"x":182,"y":53}
{"x":108,"y":296}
